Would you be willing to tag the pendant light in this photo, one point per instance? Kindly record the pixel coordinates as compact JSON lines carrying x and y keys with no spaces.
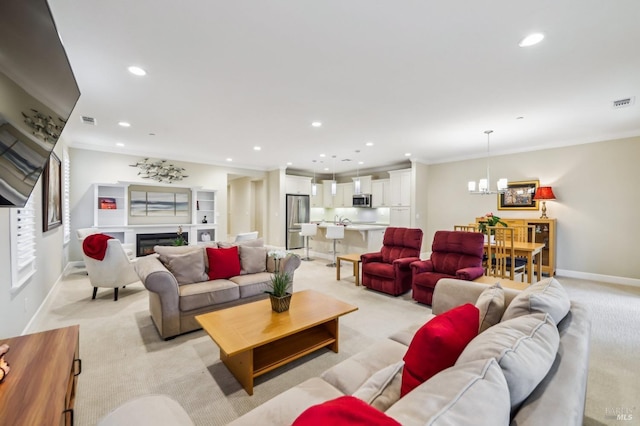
{"x":484,"y":184}
{"x":314,"y":187}
{"x":356,"y":182}
{"x":334,"y":184}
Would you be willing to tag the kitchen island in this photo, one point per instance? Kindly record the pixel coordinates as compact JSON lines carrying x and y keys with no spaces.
{"x":358,"y":238}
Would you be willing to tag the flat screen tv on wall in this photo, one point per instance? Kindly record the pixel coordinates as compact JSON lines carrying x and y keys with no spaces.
{"x":38,"y":91}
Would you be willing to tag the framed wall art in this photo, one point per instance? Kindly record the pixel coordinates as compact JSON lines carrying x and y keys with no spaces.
{"x":51,"y":194}
{"x":519,"y":196}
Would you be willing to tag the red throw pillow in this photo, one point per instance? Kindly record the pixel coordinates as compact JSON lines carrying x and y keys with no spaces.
{"x":438,"y":344}
{"x":345,"y":410}
{"x":224,"y":262}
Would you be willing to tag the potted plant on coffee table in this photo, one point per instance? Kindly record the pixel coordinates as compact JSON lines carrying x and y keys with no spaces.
{"x":280,"y":297}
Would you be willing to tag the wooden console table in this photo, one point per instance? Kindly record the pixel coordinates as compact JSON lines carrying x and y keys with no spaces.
{"x":41,"y":387}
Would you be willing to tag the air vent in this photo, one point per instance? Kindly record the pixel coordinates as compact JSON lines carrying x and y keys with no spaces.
{"x":623,"y":103}
{"x":346,"y":159}
{"x":88,"y":120}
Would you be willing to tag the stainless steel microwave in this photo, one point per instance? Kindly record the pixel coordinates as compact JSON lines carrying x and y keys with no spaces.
{"x":362,"y":200}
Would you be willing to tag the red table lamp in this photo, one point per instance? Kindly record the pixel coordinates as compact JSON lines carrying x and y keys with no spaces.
{"x":543,"y":194}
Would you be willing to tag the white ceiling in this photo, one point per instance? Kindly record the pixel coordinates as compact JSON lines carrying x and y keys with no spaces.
{"x":419,"y":76}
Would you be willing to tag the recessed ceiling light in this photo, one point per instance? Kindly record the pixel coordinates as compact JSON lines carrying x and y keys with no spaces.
{"x":326,"y":169}
{"x":137,"y":70}
{"x":256,"y":148}
{"x":124,"y":124}
{"x":119,"y":144}
{"x":369,"y":144}
{"x":407,"y":154}
{"x":316,"y":124}
{"x":361,"y":162}
{"x":323,"y":155}
{"x":229,"y":159}
{"x":531,"y":39}
{"x":289,"y":163}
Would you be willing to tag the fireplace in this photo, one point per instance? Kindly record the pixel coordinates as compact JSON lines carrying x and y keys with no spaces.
{"x":146,"y":242}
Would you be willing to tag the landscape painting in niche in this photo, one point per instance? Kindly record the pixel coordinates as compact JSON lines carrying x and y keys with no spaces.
{"x":519,"y":196}
{"x":51,"y":190}
{"x":138,"y":202}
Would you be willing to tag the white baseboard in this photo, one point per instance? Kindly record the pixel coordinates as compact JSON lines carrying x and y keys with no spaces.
{"x":599,"y":277}
{"x":26,"y":328}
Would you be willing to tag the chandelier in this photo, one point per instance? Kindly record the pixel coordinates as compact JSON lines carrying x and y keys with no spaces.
{"x":159,"y":171}
{"x":484,"y":184}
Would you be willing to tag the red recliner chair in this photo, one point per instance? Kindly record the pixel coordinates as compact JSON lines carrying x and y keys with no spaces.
{"x":455,"y":254}
{"x":388,"y":270}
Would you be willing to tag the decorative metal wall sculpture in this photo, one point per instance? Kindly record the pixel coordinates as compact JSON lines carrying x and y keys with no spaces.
{"x":159,"y":171}
{"x":44,"y":126}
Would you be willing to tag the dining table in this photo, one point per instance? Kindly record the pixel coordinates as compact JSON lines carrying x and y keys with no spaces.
{"x":530,"y":250}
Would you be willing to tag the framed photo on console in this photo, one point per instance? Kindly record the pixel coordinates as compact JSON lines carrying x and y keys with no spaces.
{"x":51,"y":190}
{"x":519,"y":196}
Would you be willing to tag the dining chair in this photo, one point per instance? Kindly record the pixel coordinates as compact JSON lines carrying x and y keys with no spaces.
{"x":466,"y":228}
{"x":501,"y":259}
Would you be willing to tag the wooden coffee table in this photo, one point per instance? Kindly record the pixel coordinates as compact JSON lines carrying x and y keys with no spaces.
{"x":254,"y":340}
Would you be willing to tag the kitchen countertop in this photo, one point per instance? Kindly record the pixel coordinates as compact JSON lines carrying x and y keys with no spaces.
{"x":357,"y":226}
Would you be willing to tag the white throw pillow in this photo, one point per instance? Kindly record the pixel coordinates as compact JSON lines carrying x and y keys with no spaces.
{"x":490,"y":303}
{"x":382,"y":389}
{"x":525,"y":348}
{"x":546,"y":296}
{"x":474,"y":393}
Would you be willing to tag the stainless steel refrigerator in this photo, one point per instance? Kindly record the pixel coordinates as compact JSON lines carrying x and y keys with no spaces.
{"x":297,"y":213}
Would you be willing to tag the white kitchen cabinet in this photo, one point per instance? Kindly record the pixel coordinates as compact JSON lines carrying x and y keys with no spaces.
{"x":318,"y":199}
{"x":347,"y":194}
{"x":400,"y":217}
{"x":380,"y":193}
{"x":329,"y":200}
{"x":400,"y":185}
{"x":365,"y":184}
{"x":297,"y":185}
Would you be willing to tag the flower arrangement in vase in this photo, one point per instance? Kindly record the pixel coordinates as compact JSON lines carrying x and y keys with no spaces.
{"x":489,"y":220}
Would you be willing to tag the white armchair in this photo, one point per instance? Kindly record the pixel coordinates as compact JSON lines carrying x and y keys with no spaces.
{"x":114,"y":271}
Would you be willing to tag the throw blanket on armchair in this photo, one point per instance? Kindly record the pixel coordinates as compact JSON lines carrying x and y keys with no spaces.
{"x":95,"y":246}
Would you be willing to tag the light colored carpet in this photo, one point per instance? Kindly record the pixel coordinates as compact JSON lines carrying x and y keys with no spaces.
{"x":123,"y":356}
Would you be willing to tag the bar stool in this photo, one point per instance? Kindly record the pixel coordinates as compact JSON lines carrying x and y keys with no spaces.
{"x":334,"y":232}
{"x":308,"y":230}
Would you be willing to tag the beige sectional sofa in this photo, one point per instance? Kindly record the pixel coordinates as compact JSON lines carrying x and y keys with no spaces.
{"x":179,"y":285}
{"x":528,"y":367}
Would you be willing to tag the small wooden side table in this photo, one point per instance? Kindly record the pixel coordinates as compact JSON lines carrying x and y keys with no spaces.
{"x":353,"y":258}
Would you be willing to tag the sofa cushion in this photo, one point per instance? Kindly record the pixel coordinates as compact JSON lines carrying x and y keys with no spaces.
{"x":382,"y":390}
{"x":546,"y":296}
{"x":200,"y":295}
{"x":344,"y":410}
{"x":348,"y":375}
{"x":474,"y":393}
{"x":252,"y":284}
{"x":405,"y":335}
{"x":283,"y":409}
{"x":490,"y":303}
{"x":187,"y":268}
{"x":252,"y":259}
{"x":223,"y":262}
{"x":525,"y":347}
{"x":437,"y":345}
{"x":258,"y":242}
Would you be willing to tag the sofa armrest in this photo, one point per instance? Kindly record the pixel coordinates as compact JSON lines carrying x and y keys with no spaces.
{"x":404,"y":262}
{"x":290,"y":264}
{"x":451,"y":292}
{"x":164,"y":299}
{"x":371,"y":257}
{"x":420,"y":266}
{"x":470,"y":273}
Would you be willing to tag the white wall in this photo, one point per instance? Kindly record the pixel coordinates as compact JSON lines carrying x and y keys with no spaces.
{"x":596,"y":207}
{"x":89,"y":167}
{"x":17,"y":307}
{"x":240,"y":200}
